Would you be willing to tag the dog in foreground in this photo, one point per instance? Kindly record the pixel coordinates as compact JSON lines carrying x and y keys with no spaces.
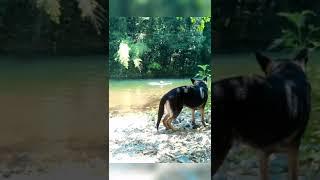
{"x":268,"y":113}
{"x":194,"y":97}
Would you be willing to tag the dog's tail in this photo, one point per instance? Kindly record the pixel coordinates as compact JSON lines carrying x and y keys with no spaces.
{"x":160,"y":111}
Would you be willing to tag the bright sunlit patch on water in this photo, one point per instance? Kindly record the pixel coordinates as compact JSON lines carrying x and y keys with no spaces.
{"x":160,"y":83}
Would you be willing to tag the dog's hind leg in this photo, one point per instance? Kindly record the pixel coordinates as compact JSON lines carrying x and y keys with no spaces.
{"x":175,"y":113}
{"x":264,"y":160}
{"x":168,"y":114}
{"x":165,"y":121}
{"x":293,"y":163}
{"x":202,"y":116}
{"x":169,"y":123}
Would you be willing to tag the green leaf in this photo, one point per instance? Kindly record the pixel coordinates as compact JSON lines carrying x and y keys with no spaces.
{"x":276,"y":43}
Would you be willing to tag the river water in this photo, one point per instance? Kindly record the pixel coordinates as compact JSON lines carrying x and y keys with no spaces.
{"x":143,"y":95}
{"x":52,"y":103}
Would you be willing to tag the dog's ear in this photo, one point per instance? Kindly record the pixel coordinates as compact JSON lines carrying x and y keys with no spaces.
{"x":263,"y":61}
{"x":205,"y":79}
{"x":302,"y":57}
{"x":192,"y":80}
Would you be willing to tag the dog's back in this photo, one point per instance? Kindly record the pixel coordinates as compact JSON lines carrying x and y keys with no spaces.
{"x":261,"y":111}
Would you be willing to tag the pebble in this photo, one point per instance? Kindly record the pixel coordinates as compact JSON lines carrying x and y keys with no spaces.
{"x":184,"y":159}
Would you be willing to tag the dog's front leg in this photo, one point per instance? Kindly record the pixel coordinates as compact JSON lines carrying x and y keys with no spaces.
{"x":264,"y":160}
{"x":293,"y":163}
{"x":202,"y":116}
{"x":193,"y":119}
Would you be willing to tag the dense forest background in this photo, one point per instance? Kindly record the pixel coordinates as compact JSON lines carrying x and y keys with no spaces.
{"x":154,"y":47}
{"x":163,"y":8}
{"x":255,"y":24}
{"x":52,"y":26}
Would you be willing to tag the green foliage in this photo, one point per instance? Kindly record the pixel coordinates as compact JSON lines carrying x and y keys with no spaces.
{"x":245,"y":25}
{"x":128,"y":48}
{"x":94,"y":11}
{"x":154,"y":66}
{"x":158,"y":46}
{"x":51,"y":8}
{"x":310,"y":144}
{"x":200,"y":22}
{"x":300,"y":33}
{"x":139,"y":49}
{"x":137,"y":63}
{"x":205,"y":71}
{"x":89,"y":9}
{"x":122,"y":55}
{"x":159,"y":8}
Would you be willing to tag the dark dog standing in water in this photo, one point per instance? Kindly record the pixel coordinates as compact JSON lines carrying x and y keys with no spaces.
{"x":268,"y":113}
{"x":194,"y":97}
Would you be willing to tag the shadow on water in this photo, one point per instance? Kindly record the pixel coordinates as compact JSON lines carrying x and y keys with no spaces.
{"x":54,"y":105}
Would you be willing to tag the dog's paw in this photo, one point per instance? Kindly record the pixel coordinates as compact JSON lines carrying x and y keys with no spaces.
{"x":174,"y":129}
{"x":194,"y":126}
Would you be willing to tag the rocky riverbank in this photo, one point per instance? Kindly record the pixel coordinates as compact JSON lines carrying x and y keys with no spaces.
{"x":133,"y":138}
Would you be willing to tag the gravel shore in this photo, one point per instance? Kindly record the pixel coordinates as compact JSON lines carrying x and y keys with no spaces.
{"x":133,"y":138}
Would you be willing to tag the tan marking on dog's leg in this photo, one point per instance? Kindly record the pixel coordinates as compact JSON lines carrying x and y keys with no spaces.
{"x":293,"y":163}
{"x":170,"y":119}
{"x":264,"y":160}
{"x":169,"y":114}
{"x":202,"y":117}
{"x":167,"y":108}
{"x":164,"y":121}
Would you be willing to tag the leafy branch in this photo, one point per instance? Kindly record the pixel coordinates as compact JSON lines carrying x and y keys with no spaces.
{"x":89,"y":9}
{"x":204,"y":71}
{"x":300,"y":33}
